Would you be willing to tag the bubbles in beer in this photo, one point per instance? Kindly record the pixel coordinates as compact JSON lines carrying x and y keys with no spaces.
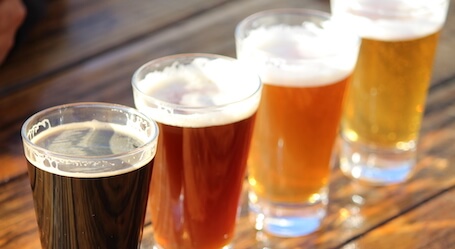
{"x":199,"y":84}
{"x":301,"y":55}
{"x":188,"y":91}
{"x":392,"y":20}
{"x":78,"y":149}
{"x":88,"y":141}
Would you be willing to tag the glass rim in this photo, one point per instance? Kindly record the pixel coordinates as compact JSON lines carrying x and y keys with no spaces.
{"x":281,"y":11}
{"x":192,"y":109}
{"x":241,"y":32}
{"x":149,"y":142}
{"x":402,"y":12}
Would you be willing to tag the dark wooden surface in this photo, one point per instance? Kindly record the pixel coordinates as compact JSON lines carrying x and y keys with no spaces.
{"x":88,"y":50}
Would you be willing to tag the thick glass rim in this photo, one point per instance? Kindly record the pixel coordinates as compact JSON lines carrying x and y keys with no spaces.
{"x":150,"y":142}
{"x":136,"y":79}
{"x":241,"y":31}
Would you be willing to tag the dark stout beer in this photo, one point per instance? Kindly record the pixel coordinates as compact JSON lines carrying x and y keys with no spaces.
{"x":90,"y":182}
{"x":102,"y":212}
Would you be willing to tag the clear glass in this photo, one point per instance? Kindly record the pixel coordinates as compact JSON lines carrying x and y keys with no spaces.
{"x":205,"y":107}
{"x":305,"y":61}
{"x":90,"y":166}
{"x":386,"y":101}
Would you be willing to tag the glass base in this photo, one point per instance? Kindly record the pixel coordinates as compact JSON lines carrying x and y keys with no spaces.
{"x":376,"y":166}
{"x":287,"y":220}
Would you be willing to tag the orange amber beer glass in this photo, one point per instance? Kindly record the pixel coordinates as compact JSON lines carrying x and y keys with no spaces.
{"x":385,"y":103}
{"x":205,"y":107}
{"x":305,"y":62}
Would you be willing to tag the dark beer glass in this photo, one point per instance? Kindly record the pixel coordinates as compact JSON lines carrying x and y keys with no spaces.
{"x":205,"y":107}
{"x":90,"y":166}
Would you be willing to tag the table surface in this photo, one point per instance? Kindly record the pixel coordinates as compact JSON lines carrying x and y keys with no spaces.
{"x":85,"y":50}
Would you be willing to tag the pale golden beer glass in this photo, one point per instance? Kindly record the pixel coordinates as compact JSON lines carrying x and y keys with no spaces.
{"x":386,"y":101}
{"x":305,"y":62}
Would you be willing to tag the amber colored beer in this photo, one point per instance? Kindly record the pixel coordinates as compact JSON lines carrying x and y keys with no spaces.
{"x":305,"y":61}
{"x":293,"y":140}
{"x":205,"y":106}
{"x":386,"y":100}
{"x":205,"y":166}
{"x":299,"y":114}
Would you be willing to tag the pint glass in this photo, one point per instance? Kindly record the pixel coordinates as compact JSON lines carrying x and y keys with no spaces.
{"x":385,"y":103}
{"x":90,"y":166}
{"x":305,"y":62}
{"x":205,"y":107}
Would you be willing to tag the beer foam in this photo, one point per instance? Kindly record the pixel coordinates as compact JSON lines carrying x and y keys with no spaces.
{"x":187,"y":95}
{"x":391,"y":20}
{"x":300,"y":56}
{"x":88,"y":150}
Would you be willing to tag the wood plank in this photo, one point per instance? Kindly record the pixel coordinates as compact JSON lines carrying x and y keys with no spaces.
{"x":74,"y":31}
{"x":354,"y":209}
{"x":18,"y":227}
{"x":430,"y":226}
{"x":444,"y":67}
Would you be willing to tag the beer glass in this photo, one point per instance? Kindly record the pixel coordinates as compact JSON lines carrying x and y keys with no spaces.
{"x":205,"y":107}
{"x":90,"y":166}
{"x":386,"y":101}
{"x":305,"y":61}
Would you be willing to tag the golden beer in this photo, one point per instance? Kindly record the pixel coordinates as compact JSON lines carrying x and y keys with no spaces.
{"x":292,"y":142}
{"x":386,"y":100}
{"x":305,"y":61}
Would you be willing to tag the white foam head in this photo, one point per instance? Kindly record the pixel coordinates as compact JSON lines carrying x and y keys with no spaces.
{"x":391,"y":20}
{"x":205,"y":92}
{"x":89,"y":149}
{"x":301,"y":55}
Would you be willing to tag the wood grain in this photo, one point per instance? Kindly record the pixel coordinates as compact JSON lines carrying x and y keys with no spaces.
{"x":423,"y":227}
{"x":74,"y":31}
{"x":88,"y":50}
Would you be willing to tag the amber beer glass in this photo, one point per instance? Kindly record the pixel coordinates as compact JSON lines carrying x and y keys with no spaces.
{"x":305,"y":62}
{"x":90,"y":166}
{"x":386,"y":101}
{"x":205,"y":106}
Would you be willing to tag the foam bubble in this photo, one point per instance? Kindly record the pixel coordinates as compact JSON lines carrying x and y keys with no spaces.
{"x":85,"y":149}
{"x":300,"y":56}
{"x":186,"y":95}
{"x":392,"y":19}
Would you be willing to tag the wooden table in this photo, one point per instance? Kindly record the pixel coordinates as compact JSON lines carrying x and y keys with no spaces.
{"x":87,"y":50}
